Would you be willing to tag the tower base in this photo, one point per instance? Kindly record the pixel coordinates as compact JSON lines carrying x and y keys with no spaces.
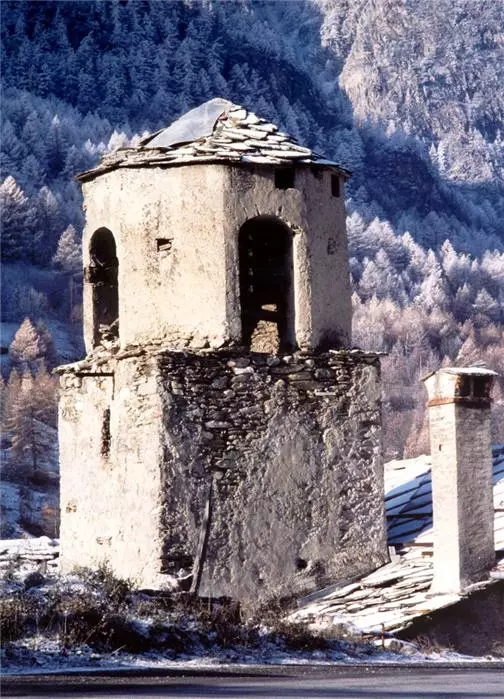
{"x":260,"y":475}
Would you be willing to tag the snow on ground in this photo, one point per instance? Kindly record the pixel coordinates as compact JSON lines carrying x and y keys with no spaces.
{"x":198,"y":642}
{"x":41,"y":656}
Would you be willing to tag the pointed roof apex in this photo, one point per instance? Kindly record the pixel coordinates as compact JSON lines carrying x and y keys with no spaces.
{"x":217,"y":131}
{"x":195,"y":124}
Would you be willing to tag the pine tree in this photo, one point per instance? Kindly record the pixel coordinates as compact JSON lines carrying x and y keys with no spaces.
{"x":462,"y":303}
{"x":31,"y":346}
{"x":46,"y":389}
{"x":68,"y":255}
{"x":12,"y":149}
{"x":49,"y":357}
{"x":56,"y":147}
{"x":30,"y":411}
{"x":12,"y":390}
{"x":15,"y":213}
{"x":485,"y":304}
{"x":433,"y":289}
{"x":33,"y":174}
{"x":48,"y":222}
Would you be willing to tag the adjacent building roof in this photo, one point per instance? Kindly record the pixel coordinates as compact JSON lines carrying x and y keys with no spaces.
{"x":392,"y":597}
{"x":217,"y":131}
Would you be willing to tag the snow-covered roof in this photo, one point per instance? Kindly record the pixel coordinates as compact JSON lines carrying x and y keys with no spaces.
{"x":408,"y":500}
{"x":463,"y":371}
{"x":469,"y":371}
{"x":393,"y":596}
{"x":29,"y":554}
{"x":217,"y":131}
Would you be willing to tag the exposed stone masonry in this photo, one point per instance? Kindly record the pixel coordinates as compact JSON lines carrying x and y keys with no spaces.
{"x":291,"y":446}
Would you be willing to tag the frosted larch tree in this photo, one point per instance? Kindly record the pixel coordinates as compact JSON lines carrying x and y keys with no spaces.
{"x":68,"y":255}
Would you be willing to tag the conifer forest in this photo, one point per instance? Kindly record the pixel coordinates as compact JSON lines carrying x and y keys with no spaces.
{"x":407,"y":94}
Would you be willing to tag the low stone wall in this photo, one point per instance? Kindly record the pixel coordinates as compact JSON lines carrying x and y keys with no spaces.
{"x":265,"y":470}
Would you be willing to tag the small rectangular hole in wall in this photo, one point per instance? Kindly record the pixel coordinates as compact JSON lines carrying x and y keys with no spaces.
{"x":332,"y":246}
{"x":164,"y":245}
{"x":480,"y":388}
{"x":105,"y":434}
{"x":284,"y":178}
{"x":335,"y":186}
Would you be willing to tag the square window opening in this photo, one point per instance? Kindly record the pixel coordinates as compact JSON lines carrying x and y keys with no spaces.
{"x":463,"y":387}
{"x":284,"y":178}
{"x":164,"y":245}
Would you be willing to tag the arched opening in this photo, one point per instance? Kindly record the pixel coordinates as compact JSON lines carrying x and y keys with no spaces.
{"x":266,"y":288}
{"x":102,"y":273}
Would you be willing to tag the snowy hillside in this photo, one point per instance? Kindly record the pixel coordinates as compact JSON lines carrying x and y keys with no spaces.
{"x":405,"y":93}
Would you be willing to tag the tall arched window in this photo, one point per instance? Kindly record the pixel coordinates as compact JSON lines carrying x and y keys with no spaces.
{"x":102,"y":274}
{"x":266,"y":288}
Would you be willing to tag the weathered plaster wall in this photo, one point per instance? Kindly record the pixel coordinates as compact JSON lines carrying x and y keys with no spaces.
{"x":171,"y":293}
{"x":188,"y":293}
{"x":292,"y":447}
{"x":111,"y":493}
{"x":83,"y":403}
{"x":321,"y":273}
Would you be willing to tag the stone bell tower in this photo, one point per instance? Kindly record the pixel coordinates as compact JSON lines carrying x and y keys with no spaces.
{"x":220,"y":427}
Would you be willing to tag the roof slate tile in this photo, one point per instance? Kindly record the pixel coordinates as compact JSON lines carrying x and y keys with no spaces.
{"x":226,"y":131}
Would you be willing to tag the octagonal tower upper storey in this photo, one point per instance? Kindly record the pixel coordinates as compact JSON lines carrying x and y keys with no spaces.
{"x":218,"y":230}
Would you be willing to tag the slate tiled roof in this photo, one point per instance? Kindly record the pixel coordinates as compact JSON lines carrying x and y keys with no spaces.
{"x":215,"y":132}
{"x":408,"y":500}
{"x":29,"y":552}
{"x":393,"y":596}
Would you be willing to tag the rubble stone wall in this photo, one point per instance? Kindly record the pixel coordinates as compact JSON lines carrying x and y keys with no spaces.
{"x":472,"y":626}
{"x":294,"y":451}
{"x":286,"y":453}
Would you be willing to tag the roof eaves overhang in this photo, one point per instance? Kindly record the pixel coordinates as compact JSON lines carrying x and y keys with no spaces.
{"x":103,"y":169}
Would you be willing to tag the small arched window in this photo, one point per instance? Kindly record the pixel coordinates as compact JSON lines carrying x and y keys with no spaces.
{"x":266,"y":288}
{"x":102,"y":274}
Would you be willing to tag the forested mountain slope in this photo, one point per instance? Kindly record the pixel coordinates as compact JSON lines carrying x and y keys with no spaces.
{"x":405,"y":93}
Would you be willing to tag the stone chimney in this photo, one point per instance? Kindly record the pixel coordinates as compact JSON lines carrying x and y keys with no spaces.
{"x":462,"y":494}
